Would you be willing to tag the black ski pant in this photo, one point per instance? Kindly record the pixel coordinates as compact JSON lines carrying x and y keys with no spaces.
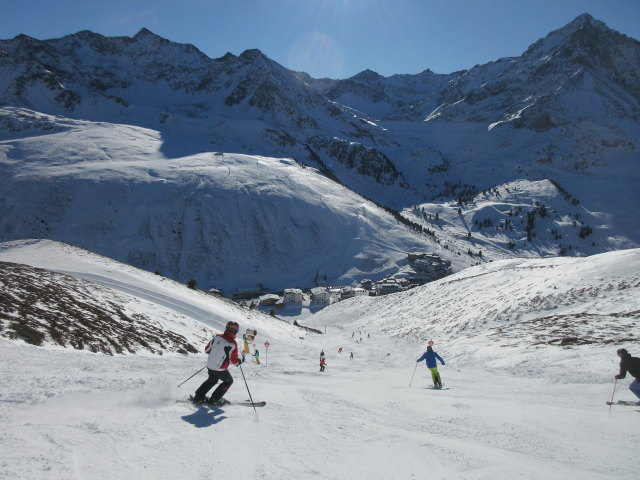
{"x":214,"y":375}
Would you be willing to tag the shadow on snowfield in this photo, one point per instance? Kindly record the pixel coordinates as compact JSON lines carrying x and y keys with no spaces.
{"x":204,"y":417}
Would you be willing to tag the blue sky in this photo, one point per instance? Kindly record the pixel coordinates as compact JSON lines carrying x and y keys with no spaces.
{"x":328,"y":38}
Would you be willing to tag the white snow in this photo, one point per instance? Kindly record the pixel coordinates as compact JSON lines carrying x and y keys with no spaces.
{"x":513,"y":409}
{"x":228,"y":221}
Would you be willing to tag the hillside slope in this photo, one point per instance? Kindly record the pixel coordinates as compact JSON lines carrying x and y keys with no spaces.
{"x":511,"y":409}
{"x":529,"y":308}
{"x":226,"y":220}
{"x":56,"y":294}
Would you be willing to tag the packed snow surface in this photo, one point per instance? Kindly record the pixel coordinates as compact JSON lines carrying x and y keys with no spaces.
{"x":512,"y":407}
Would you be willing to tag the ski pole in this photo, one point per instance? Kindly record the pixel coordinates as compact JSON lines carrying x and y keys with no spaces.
{"x":414,"y":372}
{"x":247,"y":385}
{"x":192,"y":376}
{"x":614,"y":392}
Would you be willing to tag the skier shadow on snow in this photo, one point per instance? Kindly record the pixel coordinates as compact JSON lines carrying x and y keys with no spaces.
{"x":204,"y":417}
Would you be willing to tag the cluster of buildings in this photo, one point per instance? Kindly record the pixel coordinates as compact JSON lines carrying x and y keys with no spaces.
{"x":321,"y":295}
{"x":422,"y":268}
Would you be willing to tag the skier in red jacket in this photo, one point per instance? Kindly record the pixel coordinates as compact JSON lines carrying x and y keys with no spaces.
{"x":322,"y":364}
{"x":222,"y":350}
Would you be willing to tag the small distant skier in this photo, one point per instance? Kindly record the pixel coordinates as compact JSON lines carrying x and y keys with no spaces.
{"x":430,"y":356}
{"x":222,"y":350}
{"x":257,"y":355}
{"x":632,"y":365}
{"x":321,"y":354}
{"x":351,"y":355}
{"x":323,"y":363}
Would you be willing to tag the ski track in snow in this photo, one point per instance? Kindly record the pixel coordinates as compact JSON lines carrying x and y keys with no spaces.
{"x":69,"y":414}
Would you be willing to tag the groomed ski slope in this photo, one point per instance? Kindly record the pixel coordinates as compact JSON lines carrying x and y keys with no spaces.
{"x":70,"y":414}
{"x":75,"y":415}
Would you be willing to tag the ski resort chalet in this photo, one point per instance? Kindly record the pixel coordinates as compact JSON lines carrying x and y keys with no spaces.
{"x":322,"y":295}
{"x":269,"y":299}
{"x":293,"y":295}
{"x":428,"y":266}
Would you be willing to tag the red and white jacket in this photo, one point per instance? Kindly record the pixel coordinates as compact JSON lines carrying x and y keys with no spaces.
{"x":222,"y":350}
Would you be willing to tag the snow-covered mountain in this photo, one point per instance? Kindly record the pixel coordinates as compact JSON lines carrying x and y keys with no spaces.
{"x":225,"y":220}
{"x":247,"y":103}
{"x":380,"y":97}
{"x":152,"y":153}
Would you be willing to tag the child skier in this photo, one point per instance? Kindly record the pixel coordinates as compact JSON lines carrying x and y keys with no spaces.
{"x":322,"y":364}
{"x":430,"y":356}
{"x":222,"y":350}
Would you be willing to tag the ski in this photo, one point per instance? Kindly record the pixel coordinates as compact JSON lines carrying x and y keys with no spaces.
{"x":247,"y":404}
{"x":226,"y":402}
{"x":436,"y":388}
{"x":624,"y":402}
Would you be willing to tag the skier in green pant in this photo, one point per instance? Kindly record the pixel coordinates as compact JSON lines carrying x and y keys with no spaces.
{"x":430,"y":357}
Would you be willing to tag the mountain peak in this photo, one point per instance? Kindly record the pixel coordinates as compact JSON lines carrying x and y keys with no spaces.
{"x":146,"y":33}
{"x":252,"y":54}
{"x":583,"y":31}
{"x":584,"y":21}
{"x":367,"y":75}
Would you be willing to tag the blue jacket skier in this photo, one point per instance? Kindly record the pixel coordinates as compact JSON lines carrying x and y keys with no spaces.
{"x":430,"y":357}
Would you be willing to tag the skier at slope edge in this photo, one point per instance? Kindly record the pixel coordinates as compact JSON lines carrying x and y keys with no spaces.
{"x":632,"y":365}
{"x":430,"y":356}
{"x":222,"y":350}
